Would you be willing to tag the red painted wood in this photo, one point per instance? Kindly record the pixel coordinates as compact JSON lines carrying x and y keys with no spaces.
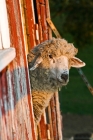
{"x":16,"y":115}
{"x":37,"y":34}
{"x":58,"y":116}
{"x":2,"y":101}
{"x":43,"y":36}
{"x":42,"y":1}
{"x":54,"y":119}
{"x":48,"y":131}
{"x":43,"y":128}
{"x":48,"y":16}
{"x":39,"y":21}
{"x":30,"y":22}
{"x":45,"y":33}
{"x":43,"y":22}
{"x":50,"y":121}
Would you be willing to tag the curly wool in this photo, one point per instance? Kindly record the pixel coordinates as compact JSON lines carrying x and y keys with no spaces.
{"x":42,"y":88}
{"x":55,"y":46}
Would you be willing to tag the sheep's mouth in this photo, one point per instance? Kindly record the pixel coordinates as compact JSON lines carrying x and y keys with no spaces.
{"x":59,"y":82}
{"x":63,"y":83}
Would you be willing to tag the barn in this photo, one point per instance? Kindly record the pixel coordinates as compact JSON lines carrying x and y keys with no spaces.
{"x":23,"y":25}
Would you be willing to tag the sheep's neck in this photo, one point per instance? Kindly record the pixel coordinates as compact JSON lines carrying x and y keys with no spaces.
{"x":40,"y":81}
{"x":42,"y":92}
{"x":40,"y":102}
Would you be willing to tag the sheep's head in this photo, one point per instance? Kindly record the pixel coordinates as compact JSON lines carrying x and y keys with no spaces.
{"x":57,"y":56}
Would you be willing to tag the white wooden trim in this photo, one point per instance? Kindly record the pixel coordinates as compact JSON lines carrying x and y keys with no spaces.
{"x":0,"y":42}
{"x":4,"y":27}
{"x":6,"y":56}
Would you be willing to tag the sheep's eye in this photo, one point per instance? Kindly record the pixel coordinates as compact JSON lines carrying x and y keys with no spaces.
{"x":50,"y":56}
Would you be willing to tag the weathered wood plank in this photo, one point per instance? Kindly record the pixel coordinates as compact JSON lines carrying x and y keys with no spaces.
{"x":43,"y":128}
{"x":42,"y":25}
{"x":42,"y":1}
{"x":39,"y":21}
{"x":43,"y":22}
{"x":54,"y":119}
{"x":30,"y":22}
{"x":50,"y":122}
{"x":16,"y":120}
{"x":6,"y":56}
{"x":58,"y":115}
{"x":16,"y":113}
{"x":48,"y":16}
{"x":37,"y":34}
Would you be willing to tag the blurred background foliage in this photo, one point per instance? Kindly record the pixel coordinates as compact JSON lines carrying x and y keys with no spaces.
{"x":76,"y":17}
{"x":74,"y":21}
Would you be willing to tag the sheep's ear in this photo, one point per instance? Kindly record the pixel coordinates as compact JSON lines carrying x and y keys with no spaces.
{"x":76,"y":62}
{"x":36,"y":63}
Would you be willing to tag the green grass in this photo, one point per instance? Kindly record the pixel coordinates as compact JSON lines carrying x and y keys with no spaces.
{"x":75,"y":97}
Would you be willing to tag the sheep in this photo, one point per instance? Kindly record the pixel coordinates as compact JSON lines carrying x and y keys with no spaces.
{"x":49,"y":64}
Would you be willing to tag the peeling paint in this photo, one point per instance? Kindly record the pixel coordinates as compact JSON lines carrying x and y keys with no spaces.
{"x":1,"y":105}
{"x":16,"y":110}
{"x":10,"y":91}
{"x":20,"y":87}
{"x":16,"y":117}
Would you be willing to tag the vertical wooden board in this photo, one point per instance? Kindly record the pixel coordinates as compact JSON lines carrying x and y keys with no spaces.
{"x":3,"y":133}
{"x":42,"y":1}
{"x":30,"y":21}
{"x":43,"y":128}
{"x":59,"y":121}
{"x":26,"y":24}
{"x":3,"y":107}
{"x":45,"y":33}
{"x":39,"y":21}
{"x":23,"y":20}
{"x":50,"y":122}
{"x":37,"y":34}
{"x":48,"y":16}
{"x":23,"y":120}
{"x":47,"y":9}
{"x":43,"y":22}
{"x":43,"y":36}
{"x":21,"y":115}
{"x":48,"y":132}
{"x":54,"y":119}
{"x":17,"y":104}
{"x":43,"y":29}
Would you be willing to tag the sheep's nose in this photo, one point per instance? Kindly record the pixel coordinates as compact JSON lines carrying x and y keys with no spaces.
{"x":64,"y":76}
